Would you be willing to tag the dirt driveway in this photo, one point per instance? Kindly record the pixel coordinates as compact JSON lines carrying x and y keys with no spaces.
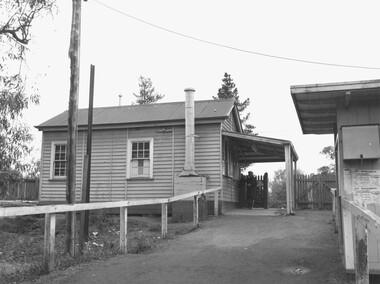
{"x":235,"y":249}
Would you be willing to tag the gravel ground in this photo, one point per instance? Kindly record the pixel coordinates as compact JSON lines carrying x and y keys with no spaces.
{"x":232,"y":249}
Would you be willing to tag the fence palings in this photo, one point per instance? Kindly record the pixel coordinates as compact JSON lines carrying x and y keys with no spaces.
{"x":26,"y":189}
{"x":313,"y":191}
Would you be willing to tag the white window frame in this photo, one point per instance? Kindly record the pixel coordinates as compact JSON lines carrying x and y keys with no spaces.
{"x":52,"y":159}
{"x":129,"y":157}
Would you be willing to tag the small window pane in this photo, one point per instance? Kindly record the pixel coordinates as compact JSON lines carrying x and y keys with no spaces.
{"x":141,"y":146}
{"x":146,"y":146}
{"x":134,"y":146}
{"x":134,"y":154}
{"x":141,"y":167}
{"x":146,"y":154}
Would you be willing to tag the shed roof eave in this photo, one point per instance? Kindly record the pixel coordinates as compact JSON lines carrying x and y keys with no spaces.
{"x":337,"y":86}
{"x":313,"y":101}
{"x":266,"y":140}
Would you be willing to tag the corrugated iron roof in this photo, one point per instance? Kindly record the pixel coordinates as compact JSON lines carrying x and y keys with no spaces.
{"x":158,"y":112}
{"x":259,"y":149}
{"x":316,"y":104}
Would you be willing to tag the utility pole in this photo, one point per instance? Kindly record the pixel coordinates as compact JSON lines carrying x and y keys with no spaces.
{"x":72,"y":124}
{"x":84,"y":223}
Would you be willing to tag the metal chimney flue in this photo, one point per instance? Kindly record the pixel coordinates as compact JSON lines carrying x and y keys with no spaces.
{"x":189,"y":167}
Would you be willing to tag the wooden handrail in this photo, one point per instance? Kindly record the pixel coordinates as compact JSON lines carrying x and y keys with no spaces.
{"x":51,"y":210}
{"x":61,"y":208}
{"x":363,"y":214}
{"x":364,"y":220}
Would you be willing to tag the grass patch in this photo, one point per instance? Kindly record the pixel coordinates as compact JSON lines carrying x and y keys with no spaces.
{"x":21,"y":242}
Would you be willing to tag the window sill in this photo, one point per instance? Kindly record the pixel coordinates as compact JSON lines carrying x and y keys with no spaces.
{"x":140,"y":178}
{"x":57,"y":179}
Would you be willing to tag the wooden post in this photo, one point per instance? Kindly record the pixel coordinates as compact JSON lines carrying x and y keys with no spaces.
{"x":288,"y":173}
{"x":85,"y":215}
{"x":164,"y":220}
{"x":361,"y":249}
{"x":72,"y":124}
{"x":216,"y":203}
{"x":265,"y":183}
{"x":195,"y":212}
{"x":295,"y":206}
{"x":123,"y":229}
{"x":82,"y":232}
{"x":339,"y":221}
{"x":49,"y":242}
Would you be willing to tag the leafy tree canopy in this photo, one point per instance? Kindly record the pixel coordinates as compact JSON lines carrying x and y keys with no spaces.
{"x":230,"y":91}
{"x":16,"y":19}
{"x":329,"y":153}
{"x":147,"y":94}
{"x":277,"y":196}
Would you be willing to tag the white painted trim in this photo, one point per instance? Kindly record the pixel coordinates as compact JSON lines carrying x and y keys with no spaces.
{"x":52,"y":154}
{"x":129,"y":154}
{"x":288,"y":173}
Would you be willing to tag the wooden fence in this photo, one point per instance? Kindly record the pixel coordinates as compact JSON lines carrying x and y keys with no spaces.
{"x":51,"y":210}
{"x":313,"y":191}
{"x":26,"y":189}
{"x":254,"y":191}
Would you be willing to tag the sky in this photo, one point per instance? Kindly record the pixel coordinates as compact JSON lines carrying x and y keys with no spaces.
{"x":127,"y":39}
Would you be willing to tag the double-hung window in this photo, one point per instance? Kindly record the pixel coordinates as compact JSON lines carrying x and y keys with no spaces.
{"x":58,"y":160}
{"x":140,"y":158}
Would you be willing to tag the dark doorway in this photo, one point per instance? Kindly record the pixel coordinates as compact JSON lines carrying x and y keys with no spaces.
{"x":254,"y":191}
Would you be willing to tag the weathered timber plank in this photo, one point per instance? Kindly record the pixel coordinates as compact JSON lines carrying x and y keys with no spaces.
{"x":49,"y":242}
{"x":216,"y":203}
{"x":361,"y":249}
{"x":123,"y":229}
{"x":60,"y":208}
{"x":195,"y":212}
{"x":164,"y":220}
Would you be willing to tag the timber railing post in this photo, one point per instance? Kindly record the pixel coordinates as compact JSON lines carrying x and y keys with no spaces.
{"x":195,"y":212}
{"x":123,"y":229}
{"x":216,"y":203}
{"x":361,"y":249}
{"x":49,"y":242}
{"x":51,"y":211}
{"x":164,"y":220}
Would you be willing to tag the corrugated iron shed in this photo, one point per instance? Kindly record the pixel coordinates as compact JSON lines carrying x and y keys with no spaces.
{"x":134,"y":114}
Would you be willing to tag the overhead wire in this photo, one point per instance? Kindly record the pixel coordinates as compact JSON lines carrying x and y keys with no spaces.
{"x":235,"y":48}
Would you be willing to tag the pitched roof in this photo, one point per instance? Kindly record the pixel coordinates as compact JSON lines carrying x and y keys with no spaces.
{"x":159,"y":112}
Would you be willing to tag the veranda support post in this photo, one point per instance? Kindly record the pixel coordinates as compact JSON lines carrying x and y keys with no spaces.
{"x":288,"y":172}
